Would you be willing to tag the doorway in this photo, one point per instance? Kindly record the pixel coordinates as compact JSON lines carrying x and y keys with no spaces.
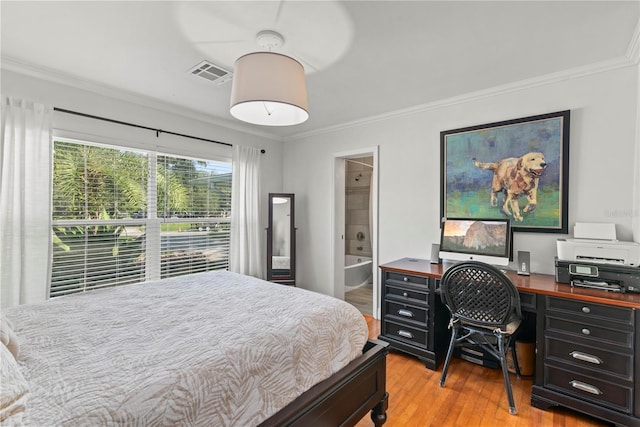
{"x":356,"y":229}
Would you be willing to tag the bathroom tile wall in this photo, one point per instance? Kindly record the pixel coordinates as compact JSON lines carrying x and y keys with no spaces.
{"x":358,"y":187}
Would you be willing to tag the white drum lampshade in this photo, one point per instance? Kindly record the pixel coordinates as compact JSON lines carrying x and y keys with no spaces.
{"x":269,"y":89}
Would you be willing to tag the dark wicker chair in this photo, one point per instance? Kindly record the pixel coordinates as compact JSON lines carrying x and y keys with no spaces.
{"x":485,"y":312}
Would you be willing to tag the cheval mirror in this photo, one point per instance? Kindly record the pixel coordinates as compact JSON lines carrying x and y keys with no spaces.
{"x":281,"y":239}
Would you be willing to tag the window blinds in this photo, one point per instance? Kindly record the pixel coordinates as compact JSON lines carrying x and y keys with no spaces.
{"x":122,"y":216}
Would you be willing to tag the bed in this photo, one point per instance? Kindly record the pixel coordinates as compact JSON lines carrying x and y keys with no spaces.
{"x":213,"y":348}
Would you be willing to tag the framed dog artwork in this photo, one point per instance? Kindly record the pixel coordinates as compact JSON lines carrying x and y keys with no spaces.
{"x":517,"y":169}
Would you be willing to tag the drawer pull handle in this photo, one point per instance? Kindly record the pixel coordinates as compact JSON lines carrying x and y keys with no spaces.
{"x":405,"y":313}
{"x":585,"y":387}
{"x":586,"y":357}
{"x":586,"y":331}
{"x":406,"y":295}
{"x":586,"y":310}
{"x":405,"y":334}
{"x":406,"y":279}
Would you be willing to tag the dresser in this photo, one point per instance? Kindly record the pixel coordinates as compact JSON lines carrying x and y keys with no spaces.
{"x":590,"y":361}
{"x":586,"y":339}
{"x":413,"y":316}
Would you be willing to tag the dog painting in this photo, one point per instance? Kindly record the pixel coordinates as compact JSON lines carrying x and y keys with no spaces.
{"x":516,"y":169}
{"x":515,"y":177}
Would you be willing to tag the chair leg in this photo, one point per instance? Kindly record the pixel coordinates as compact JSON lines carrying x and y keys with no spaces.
{"x":452,"y":344}
{"x":505,"y":373}
{"x":515,"y":359}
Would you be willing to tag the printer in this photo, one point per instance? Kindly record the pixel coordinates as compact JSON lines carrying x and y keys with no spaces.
{"x":597,"y":243}
{"x":608,"y":252}
{"x":594,"y":258}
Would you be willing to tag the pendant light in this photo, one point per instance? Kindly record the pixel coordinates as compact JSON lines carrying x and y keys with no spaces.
{"x":269,"y":88}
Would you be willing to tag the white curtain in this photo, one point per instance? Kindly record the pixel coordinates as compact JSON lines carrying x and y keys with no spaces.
{"x":25,"y":202}
{"x":246,"y":233}
{"x":635,"y":212}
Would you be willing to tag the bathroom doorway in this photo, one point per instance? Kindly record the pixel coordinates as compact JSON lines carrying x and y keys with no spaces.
{"x":355,"y":242}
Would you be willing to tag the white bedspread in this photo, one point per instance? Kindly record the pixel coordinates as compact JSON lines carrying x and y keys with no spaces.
{"x":211,"y":349}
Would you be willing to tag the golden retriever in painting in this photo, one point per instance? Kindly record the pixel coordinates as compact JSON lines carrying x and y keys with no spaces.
{"x":515,"y":176}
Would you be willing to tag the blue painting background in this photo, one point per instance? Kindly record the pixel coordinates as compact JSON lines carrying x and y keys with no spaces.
{"x":468,"y":188}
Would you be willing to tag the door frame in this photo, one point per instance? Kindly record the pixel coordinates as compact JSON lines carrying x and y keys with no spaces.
{"x":338,"y":222}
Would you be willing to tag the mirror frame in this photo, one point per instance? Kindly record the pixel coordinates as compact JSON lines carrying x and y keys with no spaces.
{"x":275,"y":275}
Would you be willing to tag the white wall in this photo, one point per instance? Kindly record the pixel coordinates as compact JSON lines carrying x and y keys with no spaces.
{"x":604,"y":110}
{"x":601,"y":171}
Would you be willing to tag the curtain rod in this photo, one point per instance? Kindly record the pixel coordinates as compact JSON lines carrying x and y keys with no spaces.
{"x":157,"y":131}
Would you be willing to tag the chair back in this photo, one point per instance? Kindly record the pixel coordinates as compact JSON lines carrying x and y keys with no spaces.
{"x":480,"y":294}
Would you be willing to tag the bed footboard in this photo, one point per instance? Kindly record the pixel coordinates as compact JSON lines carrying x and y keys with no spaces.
{"x":344,"y":398}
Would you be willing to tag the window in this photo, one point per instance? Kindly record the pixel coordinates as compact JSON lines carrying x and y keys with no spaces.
{"x":123,"y":216}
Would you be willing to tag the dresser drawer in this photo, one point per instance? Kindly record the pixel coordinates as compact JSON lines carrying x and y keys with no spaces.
{"x":599,"y":358}
{"x":528,"y":301}
{"x":600,"y":392}
{"x":405,"y":294}
{"x":406,"y":312}
{"x":616,"y":314}
{"x":586,"y":331}
{"x":407,"y":278}
{"x":405,"y":333}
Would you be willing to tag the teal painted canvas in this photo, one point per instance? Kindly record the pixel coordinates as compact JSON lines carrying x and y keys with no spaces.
{"x":516,"y":169}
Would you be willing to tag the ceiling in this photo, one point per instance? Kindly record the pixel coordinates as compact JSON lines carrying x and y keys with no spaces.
{"x":363,"y":59}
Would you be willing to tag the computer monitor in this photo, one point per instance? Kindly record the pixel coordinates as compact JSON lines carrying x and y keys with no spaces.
{"x":486,"y":240}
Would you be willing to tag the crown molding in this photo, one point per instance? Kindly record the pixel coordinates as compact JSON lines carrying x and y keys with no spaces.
{"x":42,"y":73}
{"x":631,"y":58}
{"x":544,"y":80}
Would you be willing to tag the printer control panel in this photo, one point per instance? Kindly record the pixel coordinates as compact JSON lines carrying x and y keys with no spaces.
{"x":583,"y":270}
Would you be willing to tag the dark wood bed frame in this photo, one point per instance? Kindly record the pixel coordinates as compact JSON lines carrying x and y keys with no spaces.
{"x":344,"y":398}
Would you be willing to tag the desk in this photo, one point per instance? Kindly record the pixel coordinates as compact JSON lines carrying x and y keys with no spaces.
{"x":586,"y":339}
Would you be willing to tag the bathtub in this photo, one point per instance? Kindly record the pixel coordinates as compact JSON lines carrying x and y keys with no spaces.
{"x":358,"y":271}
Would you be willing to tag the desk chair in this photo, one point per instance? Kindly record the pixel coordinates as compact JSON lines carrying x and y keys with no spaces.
{"x":485,"y":312}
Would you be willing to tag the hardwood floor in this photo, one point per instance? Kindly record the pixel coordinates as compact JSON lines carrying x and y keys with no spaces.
{"x":361,"y":298}
{"x":473,"y":396}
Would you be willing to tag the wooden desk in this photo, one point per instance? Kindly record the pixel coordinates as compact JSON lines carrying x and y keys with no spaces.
{"x":586,"y":339}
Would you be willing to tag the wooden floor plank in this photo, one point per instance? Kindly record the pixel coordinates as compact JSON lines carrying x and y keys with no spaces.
{"x":473,"y":396}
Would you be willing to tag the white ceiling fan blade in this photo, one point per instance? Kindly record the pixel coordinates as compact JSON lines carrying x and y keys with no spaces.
{"x":307,"y":62}
{"x":278,"y":13}
{"x":220,"y":41}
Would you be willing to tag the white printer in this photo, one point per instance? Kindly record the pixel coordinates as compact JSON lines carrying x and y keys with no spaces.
{"x":597,"y":243}
{"x":595,"y":259}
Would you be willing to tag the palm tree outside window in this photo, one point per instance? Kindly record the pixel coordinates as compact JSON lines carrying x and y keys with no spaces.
{"x":123,"y":216}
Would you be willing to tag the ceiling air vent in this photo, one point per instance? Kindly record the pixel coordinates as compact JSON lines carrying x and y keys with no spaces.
{"x":211,"y":72}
